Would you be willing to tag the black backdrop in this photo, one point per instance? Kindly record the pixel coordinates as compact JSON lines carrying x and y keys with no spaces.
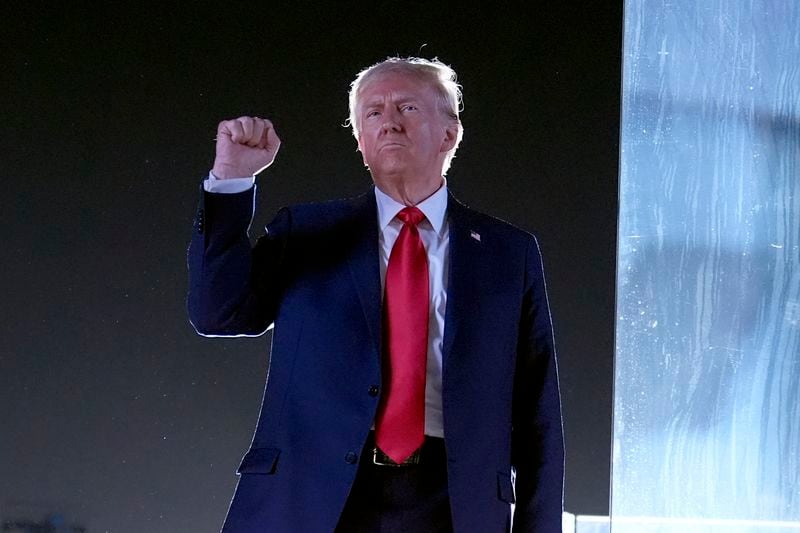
{"x":113,"y":411}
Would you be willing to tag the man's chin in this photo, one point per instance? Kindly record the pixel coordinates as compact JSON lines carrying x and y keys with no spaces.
{"x":391,"y":170}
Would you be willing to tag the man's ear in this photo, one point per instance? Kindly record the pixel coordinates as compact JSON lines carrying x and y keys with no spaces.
{"x":450,"y":137}
{"x":360,"y":149}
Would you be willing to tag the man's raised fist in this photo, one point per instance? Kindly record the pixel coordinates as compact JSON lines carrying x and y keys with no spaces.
{"x":245,"y":147}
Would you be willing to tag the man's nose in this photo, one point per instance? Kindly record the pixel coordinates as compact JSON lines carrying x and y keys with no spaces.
{"x":391,"y":122}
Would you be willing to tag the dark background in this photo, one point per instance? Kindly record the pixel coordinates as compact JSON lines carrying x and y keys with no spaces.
{"x":112,"y":410}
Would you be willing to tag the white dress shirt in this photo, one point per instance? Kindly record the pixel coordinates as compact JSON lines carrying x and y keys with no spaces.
{"x":435,"y":234}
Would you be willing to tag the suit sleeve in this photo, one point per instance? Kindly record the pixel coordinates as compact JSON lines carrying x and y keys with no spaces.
{"x":537,"y":435}
{"x":234,"y":288}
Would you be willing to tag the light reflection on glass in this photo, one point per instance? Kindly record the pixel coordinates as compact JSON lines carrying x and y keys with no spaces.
{"x":707,"y":379}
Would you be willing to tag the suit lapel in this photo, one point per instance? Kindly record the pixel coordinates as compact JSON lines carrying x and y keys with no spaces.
{"x":364,"y":264}
{"x":464,"y":250}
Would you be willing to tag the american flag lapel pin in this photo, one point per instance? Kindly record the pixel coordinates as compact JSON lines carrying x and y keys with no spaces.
{"x":475,"y":235}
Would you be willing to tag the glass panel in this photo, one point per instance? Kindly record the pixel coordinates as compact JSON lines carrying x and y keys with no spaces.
{"x":707,"y":375}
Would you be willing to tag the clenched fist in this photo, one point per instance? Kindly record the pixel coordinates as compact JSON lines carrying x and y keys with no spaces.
{"x":245,"y":147}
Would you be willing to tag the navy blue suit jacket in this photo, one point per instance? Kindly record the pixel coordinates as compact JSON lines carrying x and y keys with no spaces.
{"x":315,"y":276}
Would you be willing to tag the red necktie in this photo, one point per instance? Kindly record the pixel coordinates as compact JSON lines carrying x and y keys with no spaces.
{"x":400,"y":426}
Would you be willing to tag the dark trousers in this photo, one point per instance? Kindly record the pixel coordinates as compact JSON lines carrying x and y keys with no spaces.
{"x":390,"y":499}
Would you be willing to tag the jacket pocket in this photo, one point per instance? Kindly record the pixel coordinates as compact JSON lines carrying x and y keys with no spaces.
{"x":259,"y":461}
{"x":505,"y":487}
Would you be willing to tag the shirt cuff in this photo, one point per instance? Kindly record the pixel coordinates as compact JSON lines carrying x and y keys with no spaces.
{"x":228,"y":186}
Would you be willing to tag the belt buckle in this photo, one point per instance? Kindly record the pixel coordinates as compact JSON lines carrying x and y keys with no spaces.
{"x":381,"y":459}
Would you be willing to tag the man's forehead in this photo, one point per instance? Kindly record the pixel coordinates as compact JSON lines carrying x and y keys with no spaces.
{"x":396,"y":84}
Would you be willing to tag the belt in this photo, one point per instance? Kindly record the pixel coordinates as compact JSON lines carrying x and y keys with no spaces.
{"x":381,"y":459}
{"x":432,"y":452}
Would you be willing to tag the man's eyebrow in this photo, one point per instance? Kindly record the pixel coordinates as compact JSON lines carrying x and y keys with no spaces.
{"x":408,"y":99}
{"x":402,"y":99}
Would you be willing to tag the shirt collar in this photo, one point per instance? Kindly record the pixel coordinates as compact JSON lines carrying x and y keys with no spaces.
{"x":433,"y":207}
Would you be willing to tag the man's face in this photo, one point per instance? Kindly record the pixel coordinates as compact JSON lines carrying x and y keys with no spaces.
{"x":403,"y":133}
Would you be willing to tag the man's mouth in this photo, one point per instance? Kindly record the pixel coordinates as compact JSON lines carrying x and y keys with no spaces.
{"x":392,"y":145}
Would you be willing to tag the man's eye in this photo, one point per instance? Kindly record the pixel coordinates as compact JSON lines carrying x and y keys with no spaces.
{"x":372,"y":113}
{"x":409,"y":107}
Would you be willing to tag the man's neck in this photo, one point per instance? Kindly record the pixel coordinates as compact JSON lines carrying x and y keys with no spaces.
{"x":410,"y":193}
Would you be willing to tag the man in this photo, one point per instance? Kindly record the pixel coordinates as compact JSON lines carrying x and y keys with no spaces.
{"x":412,"y":382}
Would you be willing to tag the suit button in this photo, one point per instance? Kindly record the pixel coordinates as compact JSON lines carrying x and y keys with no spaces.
{"x":351,"y":458}
{"x":373,"y":390}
